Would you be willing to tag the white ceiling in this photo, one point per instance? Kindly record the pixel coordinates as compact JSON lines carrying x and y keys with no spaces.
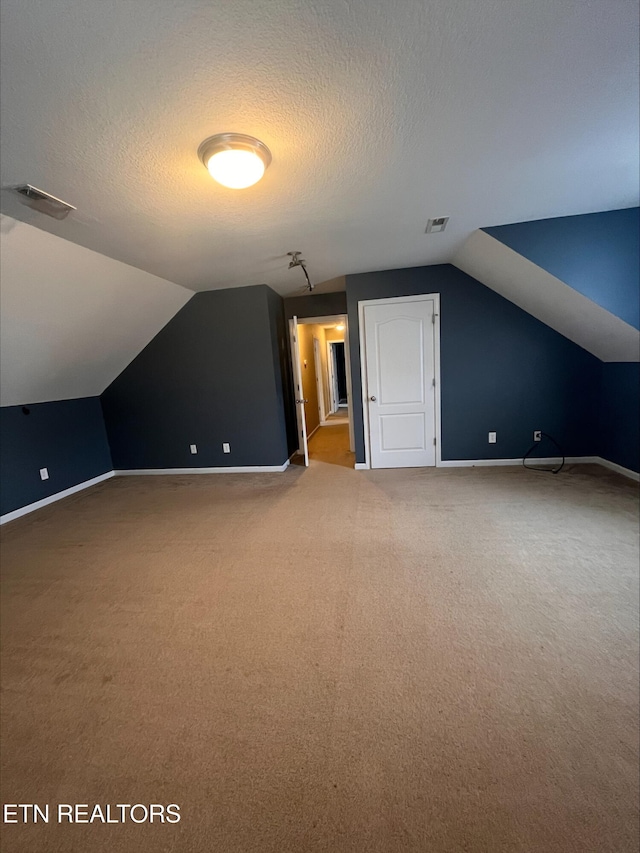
{"x":378,"y":114}
{"x":71,"y":319}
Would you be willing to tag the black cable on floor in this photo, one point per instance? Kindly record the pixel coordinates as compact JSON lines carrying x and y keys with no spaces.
{"x":538,"y":468}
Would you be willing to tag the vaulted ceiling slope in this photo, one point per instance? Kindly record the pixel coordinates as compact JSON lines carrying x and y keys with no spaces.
{"x":598,"y":255}
{"x":378,"y":114}
{"x":554,"y":302}
{"x":71,"y":319}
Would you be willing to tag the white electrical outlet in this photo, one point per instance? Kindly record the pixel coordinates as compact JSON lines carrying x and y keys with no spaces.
{"x":44,"y":473}
{"x":493,"y":437}
{"x":193,"y":448}
{"x":226,"y":447}
{"x":537,"y":435}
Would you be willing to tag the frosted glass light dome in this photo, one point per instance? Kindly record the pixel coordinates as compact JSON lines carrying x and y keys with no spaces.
{"x":234,"y":159}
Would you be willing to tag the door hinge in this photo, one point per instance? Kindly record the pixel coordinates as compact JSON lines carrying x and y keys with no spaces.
{"x":434,"y":441}
{"x":433,"y":382}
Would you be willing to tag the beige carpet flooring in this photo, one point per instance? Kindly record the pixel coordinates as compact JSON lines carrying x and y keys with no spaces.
{"x":328,"y":660}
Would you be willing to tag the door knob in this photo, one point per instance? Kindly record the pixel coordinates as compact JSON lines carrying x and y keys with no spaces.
{"x":373,"y":399}
{"x":302,"y":401}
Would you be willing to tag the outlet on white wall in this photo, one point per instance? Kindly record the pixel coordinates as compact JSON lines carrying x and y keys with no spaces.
{"x":193,"y":448}
{"x":44,"y":473}
{"x":493,"y":437}
{"x":226,"y":447}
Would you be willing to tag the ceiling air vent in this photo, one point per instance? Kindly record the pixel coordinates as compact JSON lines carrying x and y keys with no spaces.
{"x":44,"y":202}
{"x":434,"y":226}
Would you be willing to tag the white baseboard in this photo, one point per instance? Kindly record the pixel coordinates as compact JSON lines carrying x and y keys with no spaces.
{"x":10,"y":516}
{"x":613,"y":466}
{"x":492,"y":463}
{"x":313,"y":431}
{"x":548,"y":460}
{"x":258,"y":469}
{"x":240,"y":469}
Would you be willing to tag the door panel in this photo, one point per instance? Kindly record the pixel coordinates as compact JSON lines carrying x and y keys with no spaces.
{"x":400,"y":379}
{"x":402,"y":432}
{"x":400,"y":342}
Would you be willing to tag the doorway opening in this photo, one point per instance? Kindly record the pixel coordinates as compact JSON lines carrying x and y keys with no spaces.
{"x":322,"y":379}
{"x":338,"y":397}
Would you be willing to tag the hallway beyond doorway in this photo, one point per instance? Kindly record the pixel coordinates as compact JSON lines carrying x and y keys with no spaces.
{"x":330,"y":444}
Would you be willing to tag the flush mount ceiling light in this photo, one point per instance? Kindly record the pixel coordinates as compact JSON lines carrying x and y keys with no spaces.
{"x":235,"y":160}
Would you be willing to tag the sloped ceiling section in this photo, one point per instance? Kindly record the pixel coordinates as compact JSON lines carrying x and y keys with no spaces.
{"x":71,"y":319}
{"x":597,"y":254}
{"x":548,"y":299}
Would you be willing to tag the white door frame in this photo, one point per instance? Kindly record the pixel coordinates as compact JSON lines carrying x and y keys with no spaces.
{"x":333,"y":401}
{"x":319,"y":382}
{"x":303,"y":444}
{"x":422,"y":297}
{"x":347,"y":364}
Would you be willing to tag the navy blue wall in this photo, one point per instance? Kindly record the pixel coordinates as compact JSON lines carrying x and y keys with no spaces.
{"x":67,"y":437}
{"x":211,"y":375}
{"x":501,"y":369}
{"x":316,"y":305}
{"x":620,"y":414}
{"x":597,"y":254}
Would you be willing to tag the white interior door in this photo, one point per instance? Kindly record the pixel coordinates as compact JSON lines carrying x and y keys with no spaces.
{"x":303,"y":445}
{"x":400,"y":382}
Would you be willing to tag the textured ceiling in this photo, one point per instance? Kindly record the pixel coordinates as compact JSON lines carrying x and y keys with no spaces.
{"x":379,"y":115}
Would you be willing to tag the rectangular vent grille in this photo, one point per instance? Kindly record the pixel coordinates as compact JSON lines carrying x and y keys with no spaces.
{"x":44,"y":202}
{"x":434,"y":226}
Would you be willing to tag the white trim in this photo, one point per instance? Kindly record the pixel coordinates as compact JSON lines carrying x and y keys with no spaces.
{"x":296,"y":366}
{"x":331,"y":374}
{"x":319,"y":321}
{"x":315,"y":429}
{"x":16,"y":513}
{"x":252,"y":469}
{"x":613,"y":466}
{"x":492,"y":463}
{"x":549,"y":460}
{"x":347,"y":364}
{"x":419,"y":297}
{"x":317,"y":358}
{"x":238,"y":469}
{"x":363,"y":385}
{"x":436,"y":370}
